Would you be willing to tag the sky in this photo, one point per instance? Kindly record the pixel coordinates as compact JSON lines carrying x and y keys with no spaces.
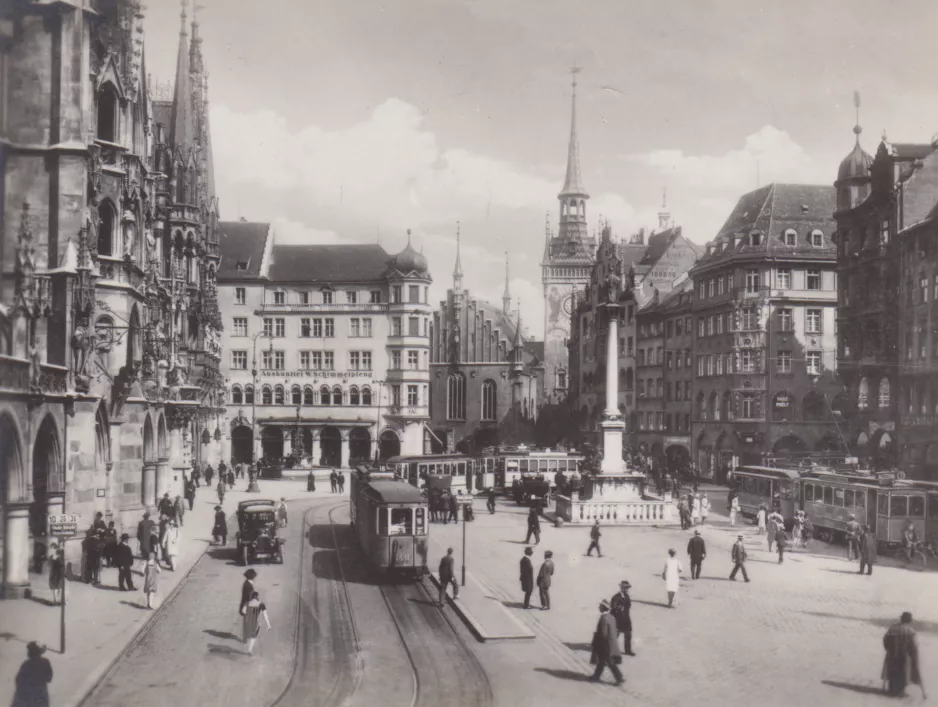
{"x":352,"y":121}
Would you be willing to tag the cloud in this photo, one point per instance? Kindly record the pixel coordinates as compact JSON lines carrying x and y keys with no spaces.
{"x":289,"y":232}
{"x":770,"y":152}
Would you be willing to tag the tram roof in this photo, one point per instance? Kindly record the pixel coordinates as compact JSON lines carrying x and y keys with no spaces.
{"x":394,"y":492}
{"x":456,"y":456}
{"x":769,"y":471}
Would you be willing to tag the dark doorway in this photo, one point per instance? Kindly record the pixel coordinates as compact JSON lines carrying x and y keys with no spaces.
{"x":241,"y":448}
{"x":272,"y":444}
{"x":44,"y":478}
{"x":390,"y":445}
{"x":359,"y":443}
{"x":330,"y":441}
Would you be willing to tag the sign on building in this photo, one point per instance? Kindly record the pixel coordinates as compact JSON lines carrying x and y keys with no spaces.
{"x":64,"y":525}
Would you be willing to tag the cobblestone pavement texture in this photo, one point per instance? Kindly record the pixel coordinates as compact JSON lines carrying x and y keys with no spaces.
{"x":102,"y":621}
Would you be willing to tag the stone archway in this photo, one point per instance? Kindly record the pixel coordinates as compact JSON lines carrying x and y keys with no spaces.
{"x":389,"y":445}
{"x":359,"y":443}
{"x":330,"y":443}
{"x":14,"y":519}
{"x":46,"y":484}
{"x":790,"y":444}
{"x":242,"y":445}
{"x":272,"y":444}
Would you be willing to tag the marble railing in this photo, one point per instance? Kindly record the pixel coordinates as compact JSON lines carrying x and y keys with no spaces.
{"x":575,"y":511}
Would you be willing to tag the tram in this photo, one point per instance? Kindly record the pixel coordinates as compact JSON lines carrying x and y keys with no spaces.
{"x":510,"y":465}
{"x":390,"y":519}
{"x":417,"y":469}
{"x":758,"y":485}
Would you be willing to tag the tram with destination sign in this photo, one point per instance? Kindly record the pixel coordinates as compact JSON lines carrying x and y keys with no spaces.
{"x":418,"y":469}
{"x":390,"y":520}
{"x":509,"y":466}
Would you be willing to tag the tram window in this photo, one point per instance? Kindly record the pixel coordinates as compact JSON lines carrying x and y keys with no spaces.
{"x":860,"y":498}
{"x":916,"y":506}
{"x":552,"y":464}
{"x":490,"y":465}
{"x":523,"y":464}
{"x":382,"y":521}
{"x":420,"y":521}
{"x":401,"y":521}
{"x":898,"y":506}
{"x":933,"y":506}
{"x":785,"y":490}
{"x":839,"y":498}
{"x":448,"y":469}
{"x":461,"y":468}
{"x":808,"y":493}
{"x":423,"y":469}
{"x":882,"y":506}
{"x":542,"y":465}
{"x":765,"y":487}
{"x":848,"y":498}
{"x":828,"y":496}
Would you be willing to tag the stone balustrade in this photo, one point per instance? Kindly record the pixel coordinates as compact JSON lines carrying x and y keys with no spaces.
{"x":575,"y":511}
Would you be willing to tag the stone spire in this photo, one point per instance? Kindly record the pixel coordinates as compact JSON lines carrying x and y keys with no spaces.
{"x":664,"y":216}
{"x":182,"y":126}
{"x":506,"y":297}
{"x":572,"y":184}
{"x":457,"y":270}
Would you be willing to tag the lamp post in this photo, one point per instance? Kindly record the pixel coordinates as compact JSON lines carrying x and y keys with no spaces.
{"x":252,"y":472}
{"x":380,"y":385}
{"x":463,"y":505}
{"x":297,"y":437}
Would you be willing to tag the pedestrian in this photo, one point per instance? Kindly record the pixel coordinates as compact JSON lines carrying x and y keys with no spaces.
{"x":164,"y":523}
{"x":595,"y":534}
{"x":771,"y":529}
{"x":33,"y":678}
{"x":697,"y":550}
{"x":165,"y":506}
{"x":672,"y":576}
{"x":738,"y":555}
{"x":310,"y":482}
{"x":868,"y":554}
{"x":909,"y":539}
{"x":807,"y":530}
{"x":95,"y":548}
{"x":209,"y":473}
{"x":220,"y":489}
{"x":340,"y":477}
{"x":220,"y":529}
{"x":734,"y":510}
{"x":254,"y":610}
{"x":490,"y":504}
{"x":282,"y":513}
{"x":606,"y":646}
{"x":544,"y":575}
{"x":684,"y":512}
{"x":453,"y":508}
{"x":190,"y":493}
{"x":447,"y":576}
{"x":534,"y":526}
{"x":171,"y":544}
{"x":621,"y":608}
{"x":98,"y":523}
{"x":180,"y":510}
{"x":900,"y":665}
{"x":527,"y":576}
{"x":704,"y":509}
{"x":231,"y":480}
{"x":694,"y":509}
{"x":334,"y":481}
{"x":110,"y":542}
{"x":196,"y":476}
{"x":797,"y":528}
{"x":124,"y":557}
{"x":223,"y":469}
{"x":761,"y":520}
{"x":853,"y":538}
{"x":151,"y":575}
{"x":781,"y":540}
{"x":247,"y":589}
{"x":56,"y":571}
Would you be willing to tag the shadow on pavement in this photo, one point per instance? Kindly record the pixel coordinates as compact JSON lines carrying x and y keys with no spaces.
{"x":134,"y":604}
{"x":919,"y":626}
{"x":864,"y":689}
{"x":224,"y":635}
{"x":513,"y":604}
{"x":225,"y":650}
{"x":7,"y":636}
{"x":579,"y":646}
{"x":649,"y":603}
{"x":515,"y":542}
{"x":843,"y":571}
{"x":564,"y":674}
{"x":40,"y":600}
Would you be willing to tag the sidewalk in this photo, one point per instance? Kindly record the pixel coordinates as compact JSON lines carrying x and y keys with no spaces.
{"x":102,"y":621}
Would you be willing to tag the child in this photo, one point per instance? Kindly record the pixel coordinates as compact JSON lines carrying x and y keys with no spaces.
{"x":282,"y":513}
{"x":151,"y":573}
{"x":252,"y":625}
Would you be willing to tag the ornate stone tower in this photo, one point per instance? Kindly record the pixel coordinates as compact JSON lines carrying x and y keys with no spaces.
{"x":565,"y":268}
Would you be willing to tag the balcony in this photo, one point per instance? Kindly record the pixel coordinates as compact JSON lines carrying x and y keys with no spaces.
{"x":185,"y":212}
{"x":14,"y":374}
{"x":751,"y":294}
{"x":320,"y":308}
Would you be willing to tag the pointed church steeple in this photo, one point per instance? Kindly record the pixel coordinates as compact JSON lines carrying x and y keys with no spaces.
{"x":182,"y":132}
{"x":517,"y":349}
{"x":573,"y":238}
{"x":572,"y":184}
{"x":506,"y":296}
{"x":457,"y":270}
{"x":664,"y":216}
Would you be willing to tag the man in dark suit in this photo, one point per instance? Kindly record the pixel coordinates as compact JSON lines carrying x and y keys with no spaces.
{"x":606,"y":646}
{"x":544,"y":575}
{"x":491,"y":502}
{"x":124,"y":558}
{"x":527,"y":576}
{"x":595,"y":534}
{"x":739,"y":559}
{"x":534,"y":526}
{"x":621,"y":609}
{"x":447,"y":575}
{"x":453,"y":508}
{"x":697,"y":549}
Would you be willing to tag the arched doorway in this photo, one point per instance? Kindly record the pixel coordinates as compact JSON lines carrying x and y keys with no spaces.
{"x":677,"y":458}
{"x":789,"y":445}
{"x":12,"y":488}
{"x":45,"y":481}
{"x":330,"y":442}
{"x":272,"y":444}
{"x":389,"y":445}
{"x":242,"y":449}
{"x":359,"y":443}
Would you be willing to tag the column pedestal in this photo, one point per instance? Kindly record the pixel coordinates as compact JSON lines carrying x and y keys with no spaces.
{"x":612,"y":447}
{"x":16,"y":550}
{"x":148,"y":485}
{"x":317,"y":449}
{"x":345,"y":452}
{"x":164,"y":481}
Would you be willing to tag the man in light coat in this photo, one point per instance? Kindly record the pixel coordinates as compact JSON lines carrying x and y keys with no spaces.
{"x":606,"y":651}
{"x":739,"y":559}
{"x":171,"y":544}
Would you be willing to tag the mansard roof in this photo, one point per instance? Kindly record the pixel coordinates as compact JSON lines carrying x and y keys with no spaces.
{"x":328,"y":263}
{"x":241,"y":245}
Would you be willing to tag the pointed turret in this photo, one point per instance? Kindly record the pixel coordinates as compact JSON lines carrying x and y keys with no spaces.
{"x":517,"y":349}
{"x":457,"y":270}
{"x":571,"y":183}
{"x":664,"y":216}
{"x":182,"y":133}
{"x":506,"y":296}
{"x":573,"y":239}
{"x":853,"y":175}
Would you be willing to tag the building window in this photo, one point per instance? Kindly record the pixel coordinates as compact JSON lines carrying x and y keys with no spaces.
{"x":397,"y":293}
{"x":753,"y":281}
{"x":249,"y":394}
{"x":236,"y":396}
{"x":240,"y":327}
{"x":304,"y":297}
{"x":279,"y":296}
{"x":701,"y":327}
{"x":413,"y":399}
{"x":702,"y":290}
{"x":396,"y":395}
{"x":108,"y":113}
{"x":884,"y":232}
{"x":701,"y":366}
{"x":351,"y":297}
{"x":325,"y":395}
{"x":785,"y":319}
{"x":748,"y":360}
{"x":783,"y":278}
{"x":267,"y":395}
{"x":413,"y":294}
{"x":783,"y":361}
{"x":813,"y":363}
{"x":336,"y":395}
{"x":239,"y":360}
{"x":413,"y":361}
{"x":366,"y":360}
{"x":296,"y":395}
{"x":923,"y":289}
{"x":749,"y":406}
{"x":396,"y":326}
{"x":813,"y":321}
{"x":327,"y":296}
{"x":280,"y":327}
{"x":328,"y":361}
{"x":304,"y":360}
{"x":107,"y":230}
{"x":813,"y":279}
{"x":366,"y":396}
{"x":353,"y":396}
{"x":413,"y":326}
{"x":376,"y":296}
{"x":884,"y":397}
{"x":305,"y":330}
{"x":328,"y":328}
{"x":817,"y":239}
{"x":790,"y":238}
{"x":456,"y":397}
{"x":241,"y":295}
{"x":396,"y":360}
{"x":355,"y":329}
{"x":366,"y":328}
{"x":268,"y":327}
{"x":719,"y":318}
{"x":711,"y":287}
{"x":354,"y":360}
{"x":750,"y":318}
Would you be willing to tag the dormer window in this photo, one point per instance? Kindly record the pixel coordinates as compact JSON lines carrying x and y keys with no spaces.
{"x":790,"y":237}
{"x":242,"y":265}
{"x":817,"y":238}
{"x":755,"y":238}
{"x":279,"y":296}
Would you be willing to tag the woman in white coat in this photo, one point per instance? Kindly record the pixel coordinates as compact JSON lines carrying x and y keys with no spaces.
{"x":704,"y":509}
{"x":760,"y":519}
{"x":734,"y":510}
{"x":171,"y":544}
{"x":672,"y":575}
{"x":695,"y":509}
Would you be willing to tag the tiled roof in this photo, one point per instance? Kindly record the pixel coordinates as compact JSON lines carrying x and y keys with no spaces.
{"x":910,"y":150}
{"x":658,"y":243}
{"x":241,"y":244}
{"x":328,"y":263}
{"x":535,"y":349}
{"x":920,"y":192}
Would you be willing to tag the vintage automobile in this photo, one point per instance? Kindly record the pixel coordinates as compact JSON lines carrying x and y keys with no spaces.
{"x":531,"y":490}
{"x":257,"y":532}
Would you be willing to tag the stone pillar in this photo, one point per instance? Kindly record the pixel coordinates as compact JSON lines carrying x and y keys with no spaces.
{"x":164,"y":481}
{"x":316,"y":451}
{"x":148,"y":486}
{"x":612,"y":365}
{"x":287,"y":442}
{"x":16,"y":550}
{"x":55,"y":503}
{"x":345,"y":450}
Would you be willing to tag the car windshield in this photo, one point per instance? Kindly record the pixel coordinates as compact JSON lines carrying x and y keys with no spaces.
{"x":261,"y":517}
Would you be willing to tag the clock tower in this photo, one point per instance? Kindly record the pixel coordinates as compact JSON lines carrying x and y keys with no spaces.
{"x":565,"y":268}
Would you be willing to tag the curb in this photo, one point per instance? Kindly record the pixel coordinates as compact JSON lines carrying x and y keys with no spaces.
{"x":98,"y":676}
{"x":475,"y":626}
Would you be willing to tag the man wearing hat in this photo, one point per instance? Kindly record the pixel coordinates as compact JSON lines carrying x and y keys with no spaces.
{"x":621,"y":608}
{"x":595,"y":534}
{"x":247,"y":589}
{"x":544,"y":575}
{"x":868,"y":553}
{"x":739,"y":559}
{"x":853,"y":538}
{"x":527,"y":576}
{"x":145,"y":531}
{"x":33,"y":678}
{"x":697,"y":549}
{"x":220,"y":528}
{"x":606,"y":646}
{"x":124,"y":558}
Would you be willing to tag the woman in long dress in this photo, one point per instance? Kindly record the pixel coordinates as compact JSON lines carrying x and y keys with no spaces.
{"x":56,"y":572}
{"x":704,"y":509}
{"x":671,"y":576}
{"x":171,"y":544}
{"x":151,"y":575}
{"x":760,"y":518}
{"x":282,"y":513}
{"x":734,"y":510}
{"x":695,"y":509}
{"x":251,"y":623}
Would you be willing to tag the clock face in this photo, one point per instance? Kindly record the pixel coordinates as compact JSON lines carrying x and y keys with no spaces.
{"x":568,"y":304}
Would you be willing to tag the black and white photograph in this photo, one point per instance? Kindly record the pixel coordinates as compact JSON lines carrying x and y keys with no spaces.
{"x":468,"y":353}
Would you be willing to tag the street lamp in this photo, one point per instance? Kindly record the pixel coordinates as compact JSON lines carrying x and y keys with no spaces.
{"x":252,"y":472}
{"x":380,"y":385}
{"x":297,"y":437}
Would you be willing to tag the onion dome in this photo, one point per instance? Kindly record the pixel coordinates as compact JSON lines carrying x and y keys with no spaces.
{"x":409,"y":260}
{"x":857,"y":164}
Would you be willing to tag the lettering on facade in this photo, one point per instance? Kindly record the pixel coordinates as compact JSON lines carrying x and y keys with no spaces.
{"x":316,"y":374}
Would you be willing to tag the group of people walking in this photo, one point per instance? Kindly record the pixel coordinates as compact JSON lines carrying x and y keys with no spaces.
{"x":694,"y":509}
